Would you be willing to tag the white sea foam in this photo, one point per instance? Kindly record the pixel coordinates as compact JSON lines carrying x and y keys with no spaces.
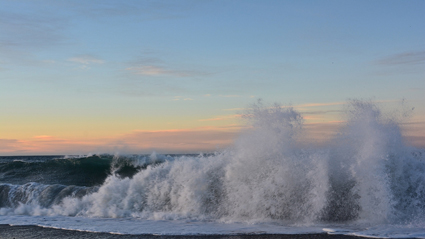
{"x":365,"y":175}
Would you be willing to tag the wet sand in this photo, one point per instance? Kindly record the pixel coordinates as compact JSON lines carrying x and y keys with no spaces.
{"x":22,"y":232}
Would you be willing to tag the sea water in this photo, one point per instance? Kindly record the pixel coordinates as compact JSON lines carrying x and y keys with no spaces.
{"x":365,"y":181}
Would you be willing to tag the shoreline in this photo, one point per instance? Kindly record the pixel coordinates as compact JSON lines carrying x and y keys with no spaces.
{"x":33,"y":231}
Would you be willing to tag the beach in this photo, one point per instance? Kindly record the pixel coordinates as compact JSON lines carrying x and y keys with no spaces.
{"x":9,"y":232}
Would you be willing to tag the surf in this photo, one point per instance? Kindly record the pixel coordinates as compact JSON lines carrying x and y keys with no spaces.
{"x":365,"y":174}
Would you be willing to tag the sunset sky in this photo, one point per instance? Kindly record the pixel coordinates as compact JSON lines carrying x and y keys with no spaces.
{"x":79,"y":77}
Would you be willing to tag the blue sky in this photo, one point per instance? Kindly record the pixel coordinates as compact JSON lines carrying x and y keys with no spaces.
{"x":90,"y":72}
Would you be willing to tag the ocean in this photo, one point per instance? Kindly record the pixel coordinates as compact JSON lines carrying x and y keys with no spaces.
{"x":366,"y":181}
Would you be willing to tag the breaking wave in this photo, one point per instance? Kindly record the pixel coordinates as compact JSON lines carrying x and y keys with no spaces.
{"x":74,"y":170}
{"x":365,"y":174}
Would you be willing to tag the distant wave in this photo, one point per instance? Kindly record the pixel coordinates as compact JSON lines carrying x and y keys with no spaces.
{"x":366,"y":174}
{"x":74,"y":170}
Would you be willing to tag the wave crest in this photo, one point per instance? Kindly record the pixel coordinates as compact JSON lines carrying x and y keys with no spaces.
{"x":365,"y":173}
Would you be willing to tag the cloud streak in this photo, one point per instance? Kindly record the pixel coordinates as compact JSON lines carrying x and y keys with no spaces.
{"x":405,"y":58}
{"x":152,"y":70}
{"x":180,"y":141}
{"x":177,"y":98}
{"x":205,"y":139}
{"x":143,"y":10}
{"x":202,"y":139}
{"x":225,"y":117}
{"x":11,"y":146}
{"x":86,"y":60}
{"x":29,"y":30}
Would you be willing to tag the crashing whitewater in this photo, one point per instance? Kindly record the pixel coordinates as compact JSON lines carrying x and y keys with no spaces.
{"x":365,"y":174}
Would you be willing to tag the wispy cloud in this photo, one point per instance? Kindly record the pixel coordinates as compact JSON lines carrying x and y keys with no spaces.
{"x":320,"y":112}
{"x":142,"y":10}
{"x":43,"y":137}
{"x":86,"y":60}
{"x":25,"y":33}
{"x":30,"y":30}
{"x":224,"y":117}
{"x":27,"y":28}
{"x":319,"y":104}
{"x":202,"y":139}
{"x":414,"y":132}
{"x":44,"y":144}
{"x":184,"y":140}
{"x":418,"y":141}
{"x":8,"y":146}
{"x":416,"y":89}
{"x":154,"y":63}
{"x":176,"y":98}
{"x":152,"y":70}
{"x":235,"y":109}
{"x":405,"y":58}
{"x":230,"y":96}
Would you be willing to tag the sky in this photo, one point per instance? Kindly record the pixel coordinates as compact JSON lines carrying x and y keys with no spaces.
{"x":103,"y":76}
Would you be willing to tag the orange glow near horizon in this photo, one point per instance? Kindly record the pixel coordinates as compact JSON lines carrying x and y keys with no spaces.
{"x":185,"y":135}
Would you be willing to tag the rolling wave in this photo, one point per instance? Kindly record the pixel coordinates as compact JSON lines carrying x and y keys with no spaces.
{"x":365,"y":174}
{"x":73,"y":170}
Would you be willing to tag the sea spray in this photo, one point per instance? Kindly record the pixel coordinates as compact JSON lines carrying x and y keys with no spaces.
{"x":365,"y":174}
{"x":268,"y":176}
